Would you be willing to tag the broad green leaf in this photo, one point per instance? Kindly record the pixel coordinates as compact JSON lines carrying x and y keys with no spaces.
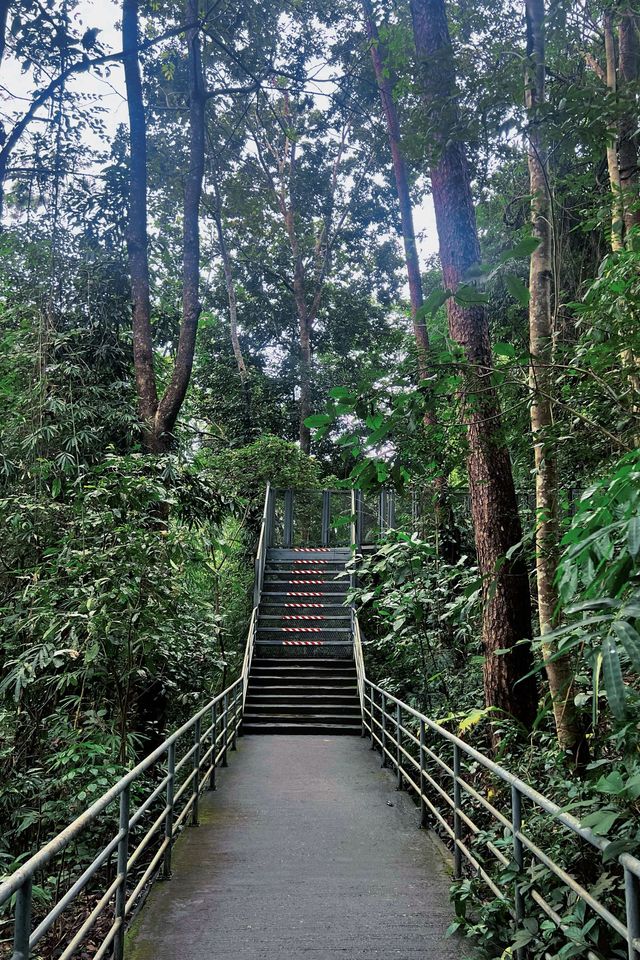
{"x":318,"y":420}
{"x":467,"y":296}
{"x":601,"y":821}
{"x":630,"y":640}
{"x":633,"y":536}
{"x":504,"y":350}
{"x":517,"y":289}
{"x":340,"y":393}
{"x":612,"y":677}
{"x":523,"y":249}
{"x":433,"y":302}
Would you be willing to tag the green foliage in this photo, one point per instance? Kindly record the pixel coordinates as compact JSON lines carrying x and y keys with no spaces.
{"x":599,"y":583}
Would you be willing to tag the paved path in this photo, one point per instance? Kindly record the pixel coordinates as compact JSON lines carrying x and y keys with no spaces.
{"x":299,"y":855}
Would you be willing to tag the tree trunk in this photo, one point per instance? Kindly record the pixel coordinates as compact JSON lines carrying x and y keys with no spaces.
{"x":449,"y":533}
{"x":137,"y":239}
{"x":507,"y":601}
{"x":629,"y":70}
{"x":402,"y":185}
{"x":559,"y":671}
{"x":617,"y":209}
{"x":243,"y":373}
{"x":4,"y":15}
{"x":169,"y":406}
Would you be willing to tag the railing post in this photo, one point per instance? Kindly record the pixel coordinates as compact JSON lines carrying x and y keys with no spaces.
{"x":423,"y":779}
{"x":288,"y":518}
{"x":214,"y":745}
{"x":391,"y":509}
{"x":383,"y":732}
{"x":326,"y":516}
{"x":234,"y":732}
{"x":516,"y":820}
{"x":398,"y":751}
{"x":359,"y":517}
{"x":632,"y":902}
{"x":123,"y":857}
{"x":382,"y":500}
{"x":372,"y":705}
{"x":269,"y":517}
{"x":196,"y":771}
{"x":225,"y":729}
{"x":457,"y":822}
{"x":168,"y":820}
{"x":22,"y":930}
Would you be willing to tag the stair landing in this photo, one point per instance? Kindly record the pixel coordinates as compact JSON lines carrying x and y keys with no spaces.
{"x":306,"y":850}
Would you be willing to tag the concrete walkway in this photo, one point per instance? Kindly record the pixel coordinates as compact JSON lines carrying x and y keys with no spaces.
{"x":305,"y":850}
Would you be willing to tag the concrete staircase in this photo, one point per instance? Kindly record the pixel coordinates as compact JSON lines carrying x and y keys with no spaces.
{"x":303,"y":677}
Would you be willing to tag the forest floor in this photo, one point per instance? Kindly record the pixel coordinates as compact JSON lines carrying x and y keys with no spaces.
{"x":306,"y":849}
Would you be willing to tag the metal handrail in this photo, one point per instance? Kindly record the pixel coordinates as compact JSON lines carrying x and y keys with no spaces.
{"x":386,"y":719}
{"x":215,"y":728}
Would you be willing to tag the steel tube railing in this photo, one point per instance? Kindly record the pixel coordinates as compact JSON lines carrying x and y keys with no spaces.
{"x":387,"y":720}
{"x":179,"y":793}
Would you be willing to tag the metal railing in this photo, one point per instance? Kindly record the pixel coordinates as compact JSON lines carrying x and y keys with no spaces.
{"x":406,"y":741}
{"x":181,"y":777}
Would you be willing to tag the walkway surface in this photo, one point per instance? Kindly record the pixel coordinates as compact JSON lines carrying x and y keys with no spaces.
{"x":305,"y":850}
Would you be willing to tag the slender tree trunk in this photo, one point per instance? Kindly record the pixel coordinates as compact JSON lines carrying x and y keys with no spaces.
{"x":402,"y":185}
{"x":169,"y":406}
{"x":4,"y":15}
{"x":507,"y":601}
{"x":629,"y":71}
{"x":243,"y":373}
{"x":559,"y":671}
{"x":450,"y":535}
{"x":617,"y":209}
{"x":305,"y":319}
{"x":137,"y":238}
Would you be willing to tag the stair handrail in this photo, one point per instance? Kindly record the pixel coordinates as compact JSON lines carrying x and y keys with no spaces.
{"x":405,"y":739}
{"x":263,"y":545}
{"x":214,"y":729}
{"x":358,"y":656}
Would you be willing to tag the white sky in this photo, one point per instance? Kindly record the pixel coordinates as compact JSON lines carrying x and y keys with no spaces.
{"x":106,"y":14}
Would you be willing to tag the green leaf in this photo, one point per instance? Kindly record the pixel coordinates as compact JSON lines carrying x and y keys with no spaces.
{"x":517,"y":289}
{"x":612,"y":676}
{"x":467,"y":295}
{"x":523,"y":249}
{"x":630,"y":640}
{"x":601,"y":821}
{"x":340,"y":393}
{"x":504,"y":350}
{"x":434,"y":301}
{"x":318,"y":420}
{"x":633,"y":536}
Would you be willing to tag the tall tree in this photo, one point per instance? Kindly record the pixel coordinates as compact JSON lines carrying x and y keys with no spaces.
{"x":559,"y":669}
{"x":159,"y":414}
{"x":507,"y":601}
{"x":310,"y":256}
{"x":137,"y":237}
{"x":450,"y":535}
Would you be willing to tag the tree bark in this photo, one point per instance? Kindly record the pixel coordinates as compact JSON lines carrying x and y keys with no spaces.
{"x":629,"y":70}
{"x":559,"y":671}
{"x":507,"y":601}
{"x":137,"y":237}
{"x":4,"y":15}
{"x":402,"y":185}
{"x":450,"y":535}
{"x":617,"y":209}
{"x":243,"y":373}
{"x":171,"y":402}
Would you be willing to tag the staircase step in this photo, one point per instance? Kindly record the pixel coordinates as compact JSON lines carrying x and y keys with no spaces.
{"x":292,"y":729}
{"x":298,"y":710}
